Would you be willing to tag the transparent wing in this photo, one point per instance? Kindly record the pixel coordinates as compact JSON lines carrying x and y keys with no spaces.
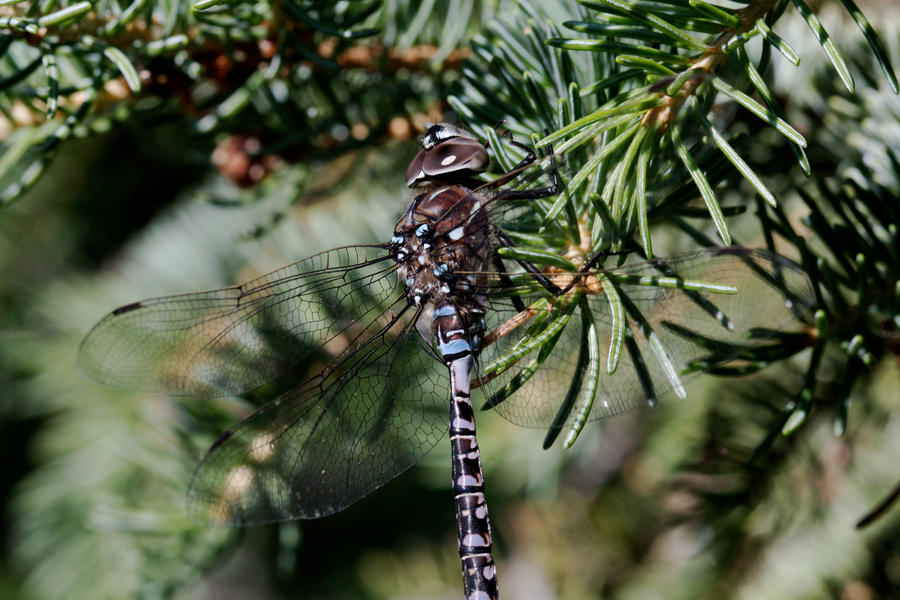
{"x":378,"y":408}
{"x":235,"y":339}
{"x":666,"y":330}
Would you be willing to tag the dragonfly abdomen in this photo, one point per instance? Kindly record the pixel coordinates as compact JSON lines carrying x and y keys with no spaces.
{"x":456,"y":343}
{"x":474,"y":527}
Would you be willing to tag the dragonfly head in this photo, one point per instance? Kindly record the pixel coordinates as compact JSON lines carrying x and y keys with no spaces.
{"x":449,"y":154}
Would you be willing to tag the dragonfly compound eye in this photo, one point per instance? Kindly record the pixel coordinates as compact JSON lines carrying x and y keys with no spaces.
{"x":449,"y":152}
{"x":457,"y":155}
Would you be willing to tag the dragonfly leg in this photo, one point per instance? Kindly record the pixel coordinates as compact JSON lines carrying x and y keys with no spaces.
{"x":528,"y":266}
{"x":530,"y":157}
{"x":506,"y":281}
{"x":590,"y":264}
{"x":533,"y":194}
{"x":542,"y":278}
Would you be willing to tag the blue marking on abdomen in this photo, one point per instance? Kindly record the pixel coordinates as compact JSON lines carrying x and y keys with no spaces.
{"x":454,"y":347}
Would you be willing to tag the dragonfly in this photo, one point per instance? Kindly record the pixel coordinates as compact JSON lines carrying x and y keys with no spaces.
{"x":408,"y":329}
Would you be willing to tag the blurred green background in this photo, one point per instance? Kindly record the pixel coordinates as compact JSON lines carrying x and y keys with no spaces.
{"x":657,"y":504}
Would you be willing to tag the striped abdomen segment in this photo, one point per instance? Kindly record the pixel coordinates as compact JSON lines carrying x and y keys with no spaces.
{"x":479,"y":572}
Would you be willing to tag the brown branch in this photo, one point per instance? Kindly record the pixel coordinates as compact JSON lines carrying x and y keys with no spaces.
{"x":706,"y":64}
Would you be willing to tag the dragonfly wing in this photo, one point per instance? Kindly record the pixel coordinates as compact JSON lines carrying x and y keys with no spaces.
{"x":666,"y":330}
{"x":374,"y":412}
{"x":235,"y":339}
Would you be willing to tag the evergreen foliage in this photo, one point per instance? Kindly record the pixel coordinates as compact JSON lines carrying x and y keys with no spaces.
{"x":677,"y":124}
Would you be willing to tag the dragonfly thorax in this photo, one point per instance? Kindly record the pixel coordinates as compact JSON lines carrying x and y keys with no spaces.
{"x":441,"y":245}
